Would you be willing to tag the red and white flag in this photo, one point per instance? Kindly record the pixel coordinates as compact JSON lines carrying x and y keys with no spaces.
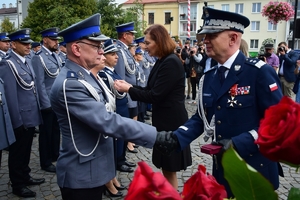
{"x":273,"y":87}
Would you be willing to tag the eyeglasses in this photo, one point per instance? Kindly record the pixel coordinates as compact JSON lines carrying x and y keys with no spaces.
{"x":96,"y":46}
{"x":130,"y":33}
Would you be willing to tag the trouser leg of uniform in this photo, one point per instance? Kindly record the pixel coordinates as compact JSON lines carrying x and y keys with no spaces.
{"x":56,"y":138}
{"x":45,"y":139}
{"x":19,"y":157}
{"x":122,"y":157}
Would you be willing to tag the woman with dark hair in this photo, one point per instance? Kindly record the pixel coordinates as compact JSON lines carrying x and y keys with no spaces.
{"x":165,"y":90}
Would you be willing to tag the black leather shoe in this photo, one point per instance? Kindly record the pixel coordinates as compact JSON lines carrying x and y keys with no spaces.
{"x":125,"y":168}
{"x":118,"y":194}
{"x":146,"y":117}
{"x":23,"y":192}
{"x":121,"y":187}
{"x":136,"y":146}
{"x":132,"y":151}
{"x":50,"y":168}
{"x":130,"y":164}
{"x":35,"y":181}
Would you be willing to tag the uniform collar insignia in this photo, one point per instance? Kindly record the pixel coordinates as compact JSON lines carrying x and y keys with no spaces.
{"x":237,"y":67}
{"x":80,"y":74}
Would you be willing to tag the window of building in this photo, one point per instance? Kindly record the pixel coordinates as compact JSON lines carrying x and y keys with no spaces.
{"x":253,"y":44}
{"x":272,"y":27}
{"x":150,"y":18}
{"x":255,"y":25}
{"x":256,"y":7}
{"x":193,"y":12}
{"x":225,"y":7}
{"x":239,"y":8}
{"x":167,"y":17}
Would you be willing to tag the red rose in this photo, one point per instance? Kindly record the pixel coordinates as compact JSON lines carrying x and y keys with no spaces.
{"x":203,"y":186}
{"x":149,"y":185}
{"x":279,"y":132}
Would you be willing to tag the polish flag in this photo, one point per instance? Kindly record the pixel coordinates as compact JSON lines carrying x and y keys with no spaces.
{"x":273,"y":87}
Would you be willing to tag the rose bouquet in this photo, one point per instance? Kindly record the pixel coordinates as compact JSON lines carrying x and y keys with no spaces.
{"x":151,"y":185}
{"x":279,"y":133}
{"x":278,"y":11}
{"x":279,"y":140}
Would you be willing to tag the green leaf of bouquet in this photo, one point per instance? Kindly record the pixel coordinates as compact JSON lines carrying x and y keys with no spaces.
{"x":245,"y":182}
{"x":294,"y":194}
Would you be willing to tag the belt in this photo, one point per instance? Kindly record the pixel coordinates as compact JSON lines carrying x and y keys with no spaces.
{"x":280,"y":75}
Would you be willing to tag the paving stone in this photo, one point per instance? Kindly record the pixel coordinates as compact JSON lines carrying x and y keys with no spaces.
{"x":50,"y":190}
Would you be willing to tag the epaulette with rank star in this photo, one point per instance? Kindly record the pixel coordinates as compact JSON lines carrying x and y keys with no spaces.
{"x":255,"y":62}
{"x":38,"y":52}
{"x":71,"y":75}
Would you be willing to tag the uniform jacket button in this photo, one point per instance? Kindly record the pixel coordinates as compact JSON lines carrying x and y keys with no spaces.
{"x":219,"y":136}
{"x":218,"y":122}
{"x":261,"y":165}
{"x":240,"y":105}
{"x":219,"y":107}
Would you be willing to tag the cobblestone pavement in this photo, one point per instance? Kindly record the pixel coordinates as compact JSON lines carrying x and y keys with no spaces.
{"x":50,"y":190}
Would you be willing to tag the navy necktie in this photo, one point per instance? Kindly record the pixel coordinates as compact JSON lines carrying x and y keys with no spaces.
{"x":54,"y":56}
{"x":103,"y":91}
{"x":221,"y":73}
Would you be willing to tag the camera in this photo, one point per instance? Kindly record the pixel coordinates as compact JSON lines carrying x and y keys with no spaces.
{"x":261,"y":57}
{"x":178,"y":50}
{"x":281,"y":49}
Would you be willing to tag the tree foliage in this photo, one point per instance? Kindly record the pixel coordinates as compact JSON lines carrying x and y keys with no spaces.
{"x":7,"y":26}
{"x":43,"y":14}
{"x":113,"y":15}
{"x":136,"y":14}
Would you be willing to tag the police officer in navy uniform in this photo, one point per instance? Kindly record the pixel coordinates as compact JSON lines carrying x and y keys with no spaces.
{"x":126,"y":65}
{"x":148,"y":63}
{"x":86,"y":161}
{"x":46,"y":67}
{"x":109,"y":75}
{"x":23,"y":105}
{"x":62,"y":53}
{"x":35,"y":47}
{"x":140,"y":80}
{"x":126,"y":68}
{"x":4,"y":44}
{"x":7,"y":136}
{"x":233,"y":97}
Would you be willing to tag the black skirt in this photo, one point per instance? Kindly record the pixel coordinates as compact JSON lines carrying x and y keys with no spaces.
{"x":175,"y":162}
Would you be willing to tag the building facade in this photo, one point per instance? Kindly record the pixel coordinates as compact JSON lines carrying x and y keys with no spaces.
{"x":159,"y":11}
{"x":15,"y":13}
{"x":9,"y":11}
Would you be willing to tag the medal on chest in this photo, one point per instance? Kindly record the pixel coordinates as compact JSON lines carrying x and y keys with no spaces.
{"x":233,"y":92}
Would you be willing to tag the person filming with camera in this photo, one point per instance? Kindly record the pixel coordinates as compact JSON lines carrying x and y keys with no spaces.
{"x":287,"y":60}
{"x":192,"y":63}
{"x":270,"y":57}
